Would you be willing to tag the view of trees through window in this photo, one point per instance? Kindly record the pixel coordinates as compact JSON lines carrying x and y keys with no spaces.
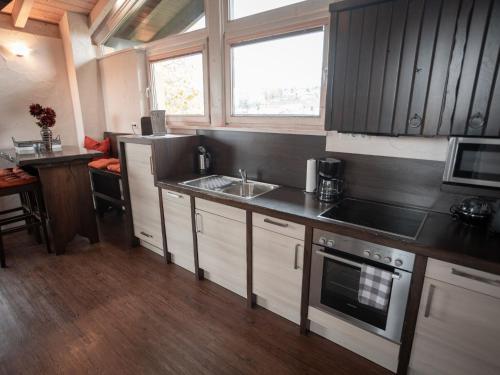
{"x":178,"y":85}
{"x":278,"y":77}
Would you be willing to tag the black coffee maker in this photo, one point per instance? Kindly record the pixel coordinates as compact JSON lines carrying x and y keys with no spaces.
{"x":330,"y":184}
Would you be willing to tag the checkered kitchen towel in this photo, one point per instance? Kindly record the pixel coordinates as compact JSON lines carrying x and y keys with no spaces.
{"x":375,"y":287}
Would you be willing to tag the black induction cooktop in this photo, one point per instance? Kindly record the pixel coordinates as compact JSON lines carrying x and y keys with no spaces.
{"x":381,"y":217}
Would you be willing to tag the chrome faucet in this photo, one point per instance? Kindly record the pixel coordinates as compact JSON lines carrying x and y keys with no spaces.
{"x":243,"y":174}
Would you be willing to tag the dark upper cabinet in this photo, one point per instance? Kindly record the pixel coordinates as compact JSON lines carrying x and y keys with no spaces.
{"x":414,"y":67}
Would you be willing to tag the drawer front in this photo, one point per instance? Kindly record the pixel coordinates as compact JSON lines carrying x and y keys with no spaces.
{"x":284,"y":227}
{"x":176,"y":198}
{"x":465,"y":277}
{"x":139,"y":153}
{"x":277,"y":272}
{"x":178,"y":228}
{"x":223,"y":210}
{"x":222,"y":251}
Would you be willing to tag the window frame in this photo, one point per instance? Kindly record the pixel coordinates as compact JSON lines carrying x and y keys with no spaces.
{"x":277,"y":122}
{"x":176,"y":51}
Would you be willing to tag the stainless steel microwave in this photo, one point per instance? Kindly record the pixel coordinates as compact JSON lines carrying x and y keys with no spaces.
{"x":473,"y":161}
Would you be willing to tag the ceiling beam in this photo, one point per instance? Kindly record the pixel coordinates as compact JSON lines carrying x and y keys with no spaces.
{"x":21,"y":11}
{"x":100,"y":11}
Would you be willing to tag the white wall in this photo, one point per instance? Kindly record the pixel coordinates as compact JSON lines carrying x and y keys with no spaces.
{"x":401,"y":147}
{"x":83,"y":75}
{"x":39,"y":77}
{"x":124,"y":82}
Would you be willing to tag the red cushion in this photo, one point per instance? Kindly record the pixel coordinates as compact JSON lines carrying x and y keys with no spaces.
{"x":12,"y":177}
{"x":102,"y":163}
{"x":91,"y":144}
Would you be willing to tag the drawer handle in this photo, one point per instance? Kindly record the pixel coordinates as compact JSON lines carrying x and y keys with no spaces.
{"x":174,"y":195}
{"x":296,"y":257}
{"x":147,"y":235}
{"x":481,"y":279}
{"x":428,"y":304}
{"x":151,"y":165}
{"x":269,"y":221}
{"x":197,"y":226}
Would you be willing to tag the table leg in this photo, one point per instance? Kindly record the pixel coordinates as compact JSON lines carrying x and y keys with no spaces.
{"x":68,"y":202}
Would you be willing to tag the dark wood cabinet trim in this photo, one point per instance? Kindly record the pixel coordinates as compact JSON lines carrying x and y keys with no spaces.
{"x":354,"y":4}
{"x":306,"y":281}
{"x":249,"y":233}
{"x":167,"y":256}
{"x":133,"y":240}
{"x":416,"y":286}
{"x":197,"y":270}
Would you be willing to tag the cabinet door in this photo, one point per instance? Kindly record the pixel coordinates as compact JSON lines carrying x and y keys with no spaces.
{"x":457,"y":332}
{"x":143,"y":195}
{"x":471,"y":106}
{"x":365,"y":54}
{"x":178,"y":228}
{"x":277,"y":272}
{"x":222,"y":251}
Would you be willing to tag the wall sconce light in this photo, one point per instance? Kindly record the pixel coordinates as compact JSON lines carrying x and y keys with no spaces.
{"x":19,"y":49}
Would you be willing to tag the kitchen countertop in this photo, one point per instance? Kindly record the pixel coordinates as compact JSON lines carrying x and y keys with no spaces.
{"x":441,"y":237}
{"x":67,"y":154}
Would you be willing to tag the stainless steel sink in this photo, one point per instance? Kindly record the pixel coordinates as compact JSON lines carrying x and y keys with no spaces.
{"x":231,"y":186}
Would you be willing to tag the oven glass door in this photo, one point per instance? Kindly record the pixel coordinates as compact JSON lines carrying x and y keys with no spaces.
{"x":339,"y":291}
{"x":476,"y":161}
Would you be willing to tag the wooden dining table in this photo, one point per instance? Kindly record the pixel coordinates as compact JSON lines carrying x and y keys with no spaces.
{"x":66,"y":190}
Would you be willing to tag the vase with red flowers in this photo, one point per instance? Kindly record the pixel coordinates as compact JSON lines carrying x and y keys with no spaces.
{"x":46,"y":119}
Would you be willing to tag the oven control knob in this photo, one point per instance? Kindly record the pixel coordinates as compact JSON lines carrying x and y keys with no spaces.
{"x":388,"y":259}
{"x":322,"y":241}
{"x":330,"y":243}
{"x":377,"y":256}
{"x":398,"y":262}
{"x":367,"y":253}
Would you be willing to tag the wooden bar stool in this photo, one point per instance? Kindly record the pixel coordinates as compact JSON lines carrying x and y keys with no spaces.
{"x":15,"y":181}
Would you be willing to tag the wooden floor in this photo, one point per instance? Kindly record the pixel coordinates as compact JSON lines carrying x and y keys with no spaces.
{"x":106,"y":309}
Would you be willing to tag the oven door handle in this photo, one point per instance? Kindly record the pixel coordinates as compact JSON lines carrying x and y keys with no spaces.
{"x":395,"y":275}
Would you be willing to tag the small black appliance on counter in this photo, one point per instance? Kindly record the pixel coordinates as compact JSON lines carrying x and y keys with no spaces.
{"x":146,"y":127}
{"x":203,"y":160}
{"x":330,"y":180}
{"x":472,"y":211}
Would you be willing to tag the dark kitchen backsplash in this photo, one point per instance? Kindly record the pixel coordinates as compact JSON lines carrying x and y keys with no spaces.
{"x":281,"y":159}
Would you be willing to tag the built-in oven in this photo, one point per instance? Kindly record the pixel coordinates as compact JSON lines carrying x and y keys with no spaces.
{"x":473,"y":161}
{"x":337,"y":263}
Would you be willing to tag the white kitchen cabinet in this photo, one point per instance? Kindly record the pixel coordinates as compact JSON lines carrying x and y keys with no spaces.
{"x":178,"y":228}
{"x":457,"y":328}
{"x":144,"y":198}
{"x":221,"y":234}
{"x":277,"y":268}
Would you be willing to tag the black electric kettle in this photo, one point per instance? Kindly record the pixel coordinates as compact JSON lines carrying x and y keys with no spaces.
{"x":204,"y":160}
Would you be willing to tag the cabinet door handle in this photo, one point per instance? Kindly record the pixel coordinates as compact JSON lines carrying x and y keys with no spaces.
{"x":476,"y":121}
{"x":428,"y":304}
{"x":469,"y":276}
{"x":151,"y":165}
{"x":147,"y":235}
{"x":296,"y":257}
{"x":269,"y":221}
{"x":174,"y":195}
{"x":198,"y":223}
{"x":415,"y":122}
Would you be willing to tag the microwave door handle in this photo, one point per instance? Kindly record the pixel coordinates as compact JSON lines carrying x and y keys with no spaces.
{"x":395,"y":275}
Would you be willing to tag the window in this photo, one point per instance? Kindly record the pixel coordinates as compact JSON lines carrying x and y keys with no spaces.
{"x":244,"y":8}
{"x":178,"y":85}
{"x":157,"y":19}
{"x":279,"y":76}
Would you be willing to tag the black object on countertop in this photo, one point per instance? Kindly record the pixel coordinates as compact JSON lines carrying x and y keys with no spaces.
{"x":391,"y":219}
